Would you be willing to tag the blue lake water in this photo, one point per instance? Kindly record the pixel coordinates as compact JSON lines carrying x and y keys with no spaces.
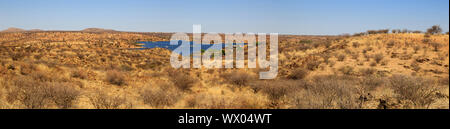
{"x":166,"y":45}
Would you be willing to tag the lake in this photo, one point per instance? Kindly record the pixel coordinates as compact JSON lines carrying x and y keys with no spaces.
{"x":166,"y":45}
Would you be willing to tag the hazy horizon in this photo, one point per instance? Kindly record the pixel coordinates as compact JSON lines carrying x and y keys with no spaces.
{"x":318,"y":17}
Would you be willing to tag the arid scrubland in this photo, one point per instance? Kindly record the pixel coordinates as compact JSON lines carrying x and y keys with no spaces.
{"x":101,"y":70}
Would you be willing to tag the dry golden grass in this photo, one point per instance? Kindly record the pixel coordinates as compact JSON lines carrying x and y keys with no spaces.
{"x":99,"y":70}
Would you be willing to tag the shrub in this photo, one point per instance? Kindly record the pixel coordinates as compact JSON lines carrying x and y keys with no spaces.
{"x":418,"y":91}
{"x":373,"y":64}
{"x":360,"y":34}
{"x":332,"y":92}
{"x":276,"y":92}
{"x":160,"y":96}
{"x":79,"y":73}
{"x":367,"y":71}
{"x":368,"y":49}
{"x":298,"y":74}
{"x":42,"y":76}
{"x":355,"y":56}
{"x":383,"y":31}
{"x":63,"y":94}
{"x":390,"y":44}
{"x":395,"y":31}
{"x":444,"y":81}
{"x":331,"y":63}
{"x":313,"y":64}
{"x":416,"y":49}
{"x":405,"y":56}
{"x":426,"y":39}
{"x":303,"y":47}
{"x":356,"y":44}
{"x":415,"y":66}
{"x":18,"y":55}
{"x":31,"y":93}
{"x":341,"y":57}
{"x":436,"y":46}
{"x":240,"y":100}
{"x":327,"y":44}
{"x":116,"y":78}
{"x":3,"y":70}
{"x":306,"y":41}
{"x":436,"y":29}
{"x":384,"y":62}
{"x":346,"y":70}
{"x":378,"y":57}
{"x":101,"y":100}
{"x":370,"y":83}
{"x":405,"y":31}
{"x":126,"y":67}
{"x":181,"y":80}
{"x":326,"y":57}
{"x":145,"y":66}
{"x":316,"y":45}
{"x":210,"y":101}
{"x":240,"y":78}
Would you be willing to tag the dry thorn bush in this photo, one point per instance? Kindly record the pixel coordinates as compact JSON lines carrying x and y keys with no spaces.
{"x":331,"y":63}
{"x":373,"y":64}
{"x":116,"y":78}
{"x":436,"y":46}
{"x":341,"y":57}
{"x":181,"y":80}
{"x":79,"y":73}
{"x":163,"y":96}
{"x":346,"y":70}
{"x":356,"y":44}
{"x":327,"y":92}
{"x":30,"y":93}
{"x":390,"y":44}
{"x":18,"y":55}
{"x":416,"y":49}
{"x":35,"y":94}
{"x":415,"y":66}
{"x":444,"y":81}
{"x":239,"y":100}
{"x":298,"y":74}
{"x":239,"y":78}
{"x":313,"y":64}
{"x":418,"y":91}
{"x":371,"y":82}
{"x":277,"y":91}
{"x":355,"y":56}
{"x":326,"y":58}
{"x":378,"y":57}
{"x":101,"y":100}
{"x":367,"y":71}
{"x":63,"y":94}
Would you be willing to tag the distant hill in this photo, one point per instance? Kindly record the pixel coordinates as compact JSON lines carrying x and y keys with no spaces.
{"x":35,"y":30}
{"x":98,"y":30}
{"x":12,"y":29}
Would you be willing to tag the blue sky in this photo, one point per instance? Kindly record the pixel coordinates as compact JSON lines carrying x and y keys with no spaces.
{"x":313,"y":17}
